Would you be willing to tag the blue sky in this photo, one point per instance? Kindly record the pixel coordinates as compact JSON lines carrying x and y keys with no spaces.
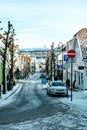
{"x":38,"y":23}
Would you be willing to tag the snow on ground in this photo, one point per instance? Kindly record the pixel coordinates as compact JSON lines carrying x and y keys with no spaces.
{"x":8,"y":97}
{"x":79,"y":100}
{"x":46,"y":123}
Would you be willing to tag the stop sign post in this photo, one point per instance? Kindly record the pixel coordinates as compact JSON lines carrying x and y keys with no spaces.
{"x":71,"y":54}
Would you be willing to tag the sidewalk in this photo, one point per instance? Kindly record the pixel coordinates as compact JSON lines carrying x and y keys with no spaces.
{"x":79,"y":98}
{"x":4,"y":97}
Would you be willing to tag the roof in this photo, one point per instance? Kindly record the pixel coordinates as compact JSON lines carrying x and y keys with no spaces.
{"x":82,"y":37}
{"x":34,"y":49}
{"x":2,"y":36}
{"x":16,"y":46}
{"x":70,"y":43}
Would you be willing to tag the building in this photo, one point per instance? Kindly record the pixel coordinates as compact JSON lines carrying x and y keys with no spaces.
{"x":79,"y":44}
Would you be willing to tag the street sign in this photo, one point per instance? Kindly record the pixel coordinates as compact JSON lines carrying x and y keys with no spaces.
{"x":71,"y":53}
{"x":72,"y":60}
{"x":66,"y":58}
{"x":66,"y":65}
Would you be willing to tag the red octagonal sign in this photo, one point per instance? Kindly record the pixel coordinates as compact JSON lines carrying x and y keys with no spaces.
{"x":71,"y":53}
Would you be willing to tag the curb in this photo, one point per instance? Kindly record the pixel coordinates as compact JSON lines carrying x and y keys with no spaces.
{"x":13,"y":92}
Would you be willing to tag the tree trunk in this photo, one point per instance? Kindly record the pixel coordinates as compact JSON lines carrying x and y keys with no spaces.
{"x":4,"y":89}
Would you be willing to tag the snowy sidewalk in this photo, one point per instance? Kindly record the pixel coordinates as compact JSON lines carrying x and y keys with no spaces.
{"x":79,"y":98}
{"x":5,"y":97}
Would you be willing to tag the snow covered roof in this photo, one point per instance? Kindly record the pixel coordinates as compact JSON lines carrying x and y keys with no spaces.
{"x":33,"y":49}
{"x":82,"y":37}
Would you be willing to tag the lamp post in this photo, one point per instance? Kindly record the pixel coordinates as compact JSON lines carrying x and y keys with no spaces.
{"x":47,"y":64}
{"x":62,"y":56}
{"x":52,"y":61}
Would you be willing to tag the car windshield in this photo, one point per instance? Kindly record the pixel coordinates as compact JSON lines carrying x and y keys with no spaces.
{"x":58,"y":84}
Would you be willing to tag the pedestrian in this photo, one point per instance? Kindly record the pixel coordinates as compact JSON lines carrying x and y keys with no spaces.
{"x":47,"y":77}
{"x":68,"y":83}
{"x":74,"y":83}
{"x":55,"y":78}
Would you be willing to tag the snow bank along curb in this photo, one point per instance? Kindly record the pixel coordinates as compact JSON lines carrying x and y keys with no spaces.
{"x":11,"y":92}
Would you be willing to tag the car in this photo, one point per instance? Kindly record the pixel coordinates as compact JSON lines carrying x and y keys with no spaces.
{"x":42,"y":75}
{"x":57,"y":88}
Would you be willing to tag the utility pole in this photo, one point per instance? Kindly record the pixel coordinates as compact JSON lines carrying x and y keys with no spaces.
{"x":62,"y":55}
{"x":62,"y":62}
{"x":52,"y":61}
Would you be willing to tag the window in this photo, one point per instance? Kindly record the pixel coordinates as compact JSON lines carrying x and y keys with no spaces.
{"x":57,"y":84}
{"x":81,"y":78}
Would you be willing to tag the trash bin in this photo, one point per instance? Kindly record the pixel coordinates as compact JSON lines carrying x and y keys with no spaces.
{"x":43,"y":81}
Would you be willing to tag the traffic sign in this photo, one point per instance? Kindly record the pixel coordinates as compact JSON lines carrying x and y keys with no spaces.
{"x":71,"y":53}
{"x":66,"y":65}
{"x":66,"y":58}
{"x":72,"y":60}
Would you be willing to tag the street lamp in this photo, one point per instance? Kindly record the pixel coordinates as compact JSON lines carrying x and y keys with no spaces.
{"x":52,"y":61}
{"x":62,"y":55}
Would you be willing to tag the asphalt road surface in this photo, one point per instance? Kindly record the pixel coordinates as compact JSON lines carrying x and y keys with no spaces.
{"x":32,"y":109}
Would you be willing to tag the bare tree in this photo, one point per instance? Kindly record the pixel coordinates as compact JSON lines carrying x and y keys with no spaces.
{"x":3,"y":53}
{"x":12,"y":60}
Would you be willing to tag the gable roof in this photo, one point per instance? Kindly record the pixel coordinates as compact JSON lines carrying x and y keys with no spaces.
{"x":82,"y":37}
{"x":70,"y":44}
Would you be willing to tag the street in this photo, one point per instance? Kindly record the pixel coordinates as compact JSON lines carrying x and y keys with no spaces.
{"x":32,"y":109}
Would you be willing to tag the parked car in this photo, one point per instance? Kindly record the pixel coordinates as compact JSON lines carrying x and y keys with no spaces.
{"x":43,"y":75}
{"x":57,"y":88}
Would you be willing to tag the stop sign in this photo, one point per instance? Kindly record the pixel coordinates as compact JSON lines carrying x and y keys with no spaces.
{"x":71,"y":53}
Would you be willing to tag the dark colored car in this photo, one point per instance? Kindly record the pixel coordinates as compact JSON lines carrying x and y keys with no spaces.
{"x":43,"y":75}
